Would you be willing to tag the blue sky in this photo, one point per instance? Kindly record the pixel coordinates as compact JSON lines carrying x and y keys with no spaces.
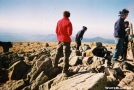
{"x":41,"y":16}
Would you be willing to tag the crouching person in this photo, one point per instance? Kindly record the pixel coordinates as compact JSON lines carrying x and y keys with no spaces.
{"x":63,"y":31}
{"x":79,"y":37}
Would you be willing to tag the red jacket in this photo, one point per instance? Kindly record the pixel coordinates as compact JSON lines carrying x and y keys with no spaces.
{"x":64,"y":30}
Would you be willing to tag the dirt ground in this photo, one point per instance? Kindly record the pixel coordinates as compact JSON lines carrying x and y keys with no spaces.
{"x":30,"y":46}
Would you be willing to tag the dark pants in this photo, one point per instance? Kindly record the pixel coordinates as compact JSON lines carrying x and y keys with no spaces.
{"x":63,"y":48}
{"x":78,"y":44}
{"x":118,"y":48}
{"x":125,"y":46}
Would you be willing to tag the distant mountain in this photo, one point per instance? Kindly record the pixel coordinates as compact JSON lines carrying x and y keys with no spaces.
{"x":24,"y":37}
{"x":99,"y":39}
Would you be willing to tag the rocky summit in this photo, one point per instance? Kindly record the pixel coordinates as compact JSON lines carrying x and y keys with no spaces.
{"x":28,"y":66}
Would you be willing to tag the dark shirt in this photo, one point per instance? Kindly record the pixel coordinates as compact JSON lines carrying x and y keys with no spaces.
{"x":79,"y":35}
{"x":119,"y":28}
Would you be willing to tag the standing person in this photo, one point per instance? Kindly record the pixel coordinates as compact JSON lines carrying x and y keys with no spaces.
{"x":63,"y":32}
{"x":127,"y":33}
{"x":79,"y":37}
{"x":119,"y":34}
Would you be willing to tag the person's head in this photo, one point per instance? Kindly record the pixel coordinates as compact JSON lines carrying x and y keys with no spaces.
{"x":84,"y":28}
{"x":66,"y":14}
{"x":126,"y":24}
{"x":124,"y":13}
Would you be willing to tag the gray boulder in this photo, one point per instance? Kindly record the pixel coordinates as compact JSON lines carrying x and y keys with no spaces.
{"x":86,"y":47}
{"x":127,"y":82}
{"x":85,"y":81}
{"x":75,"y":60}
{"x":75,"y":53}
{"x":87,"y":60}
{"x":39,"y":80}
{"x":18,"y":70}
{"x":13,"y":85}
{"x":44,"y":66}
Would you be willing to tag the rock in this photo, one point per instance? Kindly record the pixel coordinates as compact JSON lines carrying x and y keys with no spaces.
{"x":130,"y":51}
{"x":75,"y":53}
{"x":127,"y":82}
{"x":120,"y":74}
{"x":111,"y":77}
{"x":84,"y":54}
{"x":125,"y":66}
{"x":85,"y":81}
{"x":86,"y":47}
{"x":53,"y":52}
{"x":42,"y":78}
{"x":76,"y":69}
{"x":45,"y":66}
{"x":73,"y":61}
{"x":89,"y":52}
{"x":47,"y":45}
{"x":87,"y":60}
{"x":14,"y":85}
{"x":18,"y":70}
{"x":31,"y":72}
{"x":27,"y":88}
{"x":97,"y":61}
{"x":112,"y":82}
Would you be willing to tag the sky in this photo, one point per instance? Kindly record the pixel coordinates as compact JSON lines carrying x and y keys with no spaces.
{"x":41,"y":16}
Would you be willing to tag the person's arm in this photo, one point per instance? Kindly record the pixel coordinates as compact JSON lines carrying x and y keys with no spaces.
{"x":82,"y":36}
{"x":70,"y":29}
{"x":82,"y":33}
{"x":56,"y":31}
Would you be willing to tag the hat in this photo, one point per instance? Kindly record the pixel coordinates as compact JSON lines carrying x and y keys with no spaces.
{"x":124,"y":11}
{"x":84,"y":27}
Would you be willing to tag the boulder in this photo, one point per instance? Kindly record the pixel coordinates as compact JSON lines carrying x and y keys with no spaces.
{"x":14,"y":85}
{"x":85,"y":81}
{"x":45,"y":66}
{"x":83,"y":54}
{"x":89,"y":52}
{"x":112,"y":82}
{"x":75,"y":60}
{"x":40,"y":60}
{"x":87,"y":60}
{"x":42,"y":78}
{"x":97,"y":61}
{"x":130,"y":51}
{"x":75,"y":53}
{"x":47,"y":45}
{"x":128,"y":82}
{"x":111,"y":77}
{"x":18,"y":70}
{"x":86,"y":47}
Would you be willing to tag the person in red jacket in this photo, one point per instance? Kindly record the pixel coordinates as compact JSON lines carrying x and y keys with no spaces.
{"x":63,"y":32}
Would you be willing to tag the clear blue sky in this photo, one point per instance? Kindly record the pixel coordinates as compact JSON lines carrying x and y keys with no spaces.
{"x":41,"y":16}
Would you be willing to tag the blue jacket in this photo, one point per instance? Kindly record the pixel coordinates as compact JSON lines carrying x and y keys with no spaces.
{"x":119,"y":28}
{"x":79,"y":35}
